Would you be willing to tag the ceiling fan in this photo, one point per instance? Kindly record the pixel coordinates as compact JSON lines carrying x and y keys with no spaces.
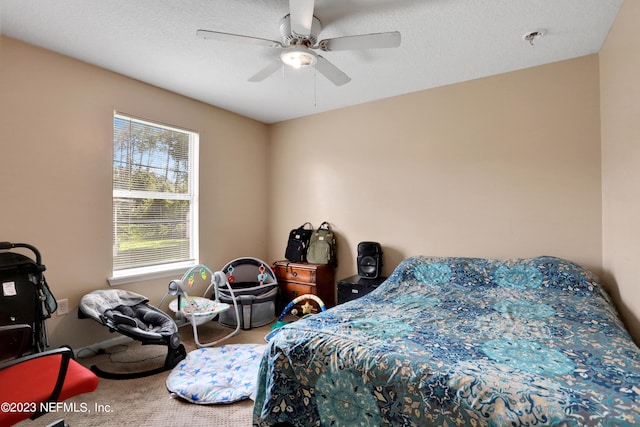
{"x":300,"y":29}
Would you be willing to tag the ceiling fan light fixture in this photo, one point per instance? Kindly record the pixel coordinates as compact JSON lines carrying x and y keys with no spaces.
{"x":298,"y":58}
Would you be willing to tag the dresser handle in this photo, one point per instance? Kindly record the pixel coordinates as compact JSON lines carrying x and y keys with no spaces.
{"x":294,"y":274}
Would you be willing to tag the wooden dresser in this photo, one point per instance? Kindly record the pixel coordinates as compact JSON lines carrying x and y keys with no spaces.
{"x":299,"y":278}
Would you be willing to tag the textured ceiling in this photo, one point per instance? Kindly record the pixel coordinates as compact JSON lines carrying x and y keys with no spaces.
{"x":443,"y":42}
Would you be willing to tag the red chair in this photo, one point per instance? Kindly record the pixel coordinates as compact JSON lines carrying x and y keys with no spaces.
{"x":30,"y":385}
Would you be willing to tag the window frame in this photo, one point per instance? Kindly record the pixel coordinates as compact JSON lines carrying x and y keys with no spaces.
{"x":135,"y":274}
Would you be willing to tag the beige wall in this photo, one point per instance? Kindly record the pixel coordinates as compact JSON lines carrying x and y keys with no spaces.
{"x":505,"y":166}
{"x":55,"y":167}
{"x":620,"y":110}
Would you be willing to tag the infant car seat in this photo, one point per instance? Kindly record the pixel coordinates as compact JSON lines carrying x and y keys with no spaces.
{"x":130,"y":314}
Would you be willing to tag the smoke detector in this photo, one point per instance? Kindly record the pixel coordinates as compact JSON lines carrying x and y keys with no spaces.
{"x":533,"y":36}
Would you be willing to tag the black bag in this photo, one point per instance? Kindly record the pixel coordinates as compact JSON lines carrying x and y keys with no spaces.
{"x":322,"y":246}
{"x":298,"y":243}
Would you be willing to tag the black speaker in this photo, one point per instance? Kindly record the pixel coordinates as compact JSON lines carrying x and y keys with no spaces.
{"x":369,"y":260}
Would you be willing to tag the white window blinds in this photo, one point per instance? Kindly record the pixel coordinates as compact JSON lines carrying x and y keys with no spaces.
{"x":155,"y":224}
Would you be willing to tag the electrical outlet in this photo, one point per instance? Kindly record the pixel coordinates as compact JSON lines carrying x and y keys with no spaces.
{"x":63,"y":307}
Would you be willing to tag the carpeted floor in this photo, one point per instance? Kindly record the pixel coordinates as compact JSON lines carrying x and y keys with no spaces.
{"x":146,"y":401}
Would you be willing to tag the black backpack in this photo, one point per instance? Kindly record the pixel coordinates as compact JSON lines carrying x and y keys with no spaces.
{"x":298,"y":243}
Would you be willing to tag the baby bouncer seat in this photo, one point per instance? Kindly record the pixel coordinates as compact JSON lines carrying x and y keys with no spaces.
{"x":195,"y":310}
{"x":130,"y":314}
{"x":255,"y":289}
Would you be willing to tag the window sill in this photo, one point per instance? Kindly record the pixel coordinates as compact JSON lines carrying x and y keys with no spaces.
{"x":144,"y":274}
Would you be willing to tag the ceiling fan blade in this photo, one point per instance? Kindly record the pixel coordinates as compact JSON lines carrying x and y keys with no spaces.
{"x":364,"y":41}
{"x":236,"y":38}
{"x":301,"y":16}
{"x":271,"y":68}
{"x":331,"y":72}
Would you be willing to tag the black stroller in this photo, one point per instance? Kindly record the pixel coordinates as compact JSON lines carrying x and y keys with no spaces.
{"x":25,"y":299}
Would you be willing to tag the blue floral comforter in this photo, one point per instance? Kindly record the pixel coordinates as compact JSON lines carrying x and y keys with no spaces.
{"x":458,"y":342}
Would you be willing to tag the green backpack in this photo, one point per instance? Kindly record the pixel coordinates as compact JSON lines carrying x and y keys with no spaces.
{"x":322,"y":246}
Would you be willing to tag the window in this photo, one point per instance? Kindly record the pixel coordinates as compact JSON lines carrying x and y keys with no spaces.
{"x":155,"y":198}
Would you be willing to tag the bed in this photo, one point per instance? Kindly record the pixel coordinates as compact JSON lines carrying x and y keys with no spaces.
{"x":458,"y":342}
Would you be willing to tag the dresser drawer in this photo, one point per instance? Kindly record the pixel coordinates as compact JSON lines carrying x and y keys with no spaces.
{"x":295,"y":273}
{"x":299,"y":278}
{"x":294,"y":290}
